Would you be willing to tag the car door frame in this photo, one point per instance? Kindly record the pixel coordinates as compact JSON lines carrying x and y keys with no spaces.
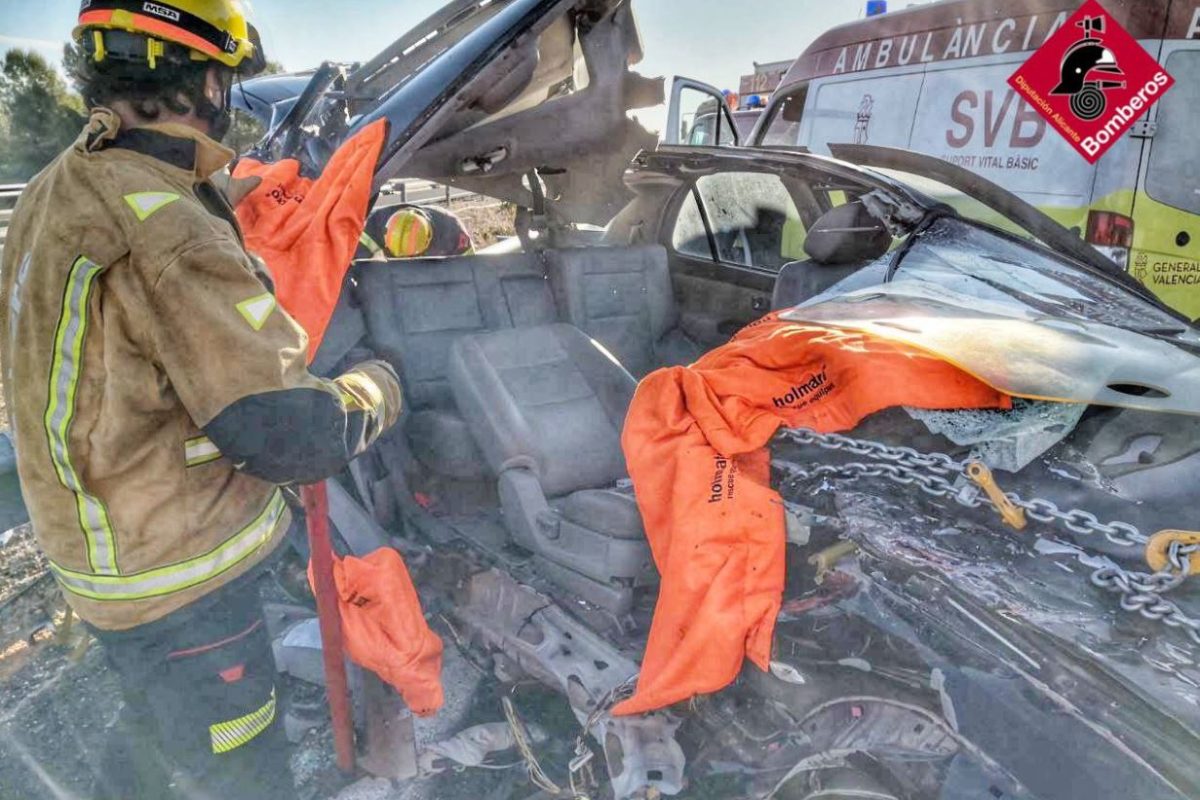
{"x":755,"y":284}
{"x":675,"y":111}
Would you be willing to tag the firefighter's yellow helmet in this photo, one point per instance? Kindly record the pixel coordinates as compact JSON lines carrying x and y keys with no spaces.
{"x":216,"y":30}
{"x":408,"y":233}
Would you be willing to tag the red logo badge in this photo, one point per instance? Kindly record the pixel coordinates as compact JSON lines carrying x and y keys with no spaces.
{"x":1091,"y":80}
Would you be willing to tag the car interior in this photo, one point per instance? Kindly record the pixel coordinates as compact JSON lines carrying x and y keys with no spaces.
{"x":518,"y":370}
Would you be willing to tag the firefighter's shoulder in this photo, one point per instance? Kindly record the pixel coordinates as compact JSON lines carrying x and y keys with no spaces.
{"x":162,"y":215}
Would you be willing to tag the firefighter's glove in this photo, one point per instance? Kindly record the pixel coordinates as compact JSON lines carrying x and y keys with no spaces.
{"x":234,"y":189}
{"x":372,"y":388}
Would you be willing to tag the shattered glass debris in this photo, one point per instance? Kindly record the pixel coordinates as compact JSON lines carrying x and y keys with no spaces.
{"x":1006,"y":440}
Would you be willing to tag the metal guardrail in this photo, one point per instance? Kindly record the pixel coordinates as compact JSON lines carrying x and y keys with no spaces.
{"x":420,"y":193}
{"x":12,"y":504}
{"x":8,"y":198}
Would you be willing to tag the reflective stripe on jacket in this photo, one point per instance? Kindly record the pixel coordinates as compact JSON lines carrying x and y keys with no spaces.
{"x":156,"y":392}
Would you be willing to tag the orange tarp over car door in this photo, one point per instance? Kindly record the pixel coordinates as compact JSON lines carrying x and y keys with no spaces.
{"x":695,"y":442}
{"x":306,"y":230}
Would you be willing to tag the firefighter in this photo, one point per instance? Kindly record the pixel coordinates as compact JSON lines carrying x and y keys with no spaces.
{"x":160,"y":399}
{"x":411,"y":231}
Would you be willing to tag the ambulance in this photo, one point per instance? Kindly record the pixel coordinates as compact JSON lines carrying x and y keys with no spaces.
{"x":934,"y":78}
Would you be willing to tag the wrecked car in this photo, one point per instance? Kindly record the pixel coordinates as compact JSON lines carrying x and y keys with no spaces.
{"x":926,"y":647}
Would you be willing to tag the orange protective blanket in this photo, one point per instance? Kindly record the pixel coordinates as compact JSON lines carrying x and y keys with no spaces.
{"x":307,"y":231}
{"x":384,"y":630}
{"x":695,"y":443}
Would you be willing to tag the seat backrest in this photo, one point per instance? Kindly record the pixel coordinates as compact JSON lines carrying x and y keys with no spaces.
{"x":847,"y":234}
{"x":800,"y":281}
{"x":547,"y":399}
{"x":620,"y":296}
{"x":416,"y":308}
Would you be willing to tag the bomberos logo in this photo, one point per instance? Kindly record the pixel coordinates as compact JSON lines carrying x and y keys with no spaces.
{"x":1091,"y":80}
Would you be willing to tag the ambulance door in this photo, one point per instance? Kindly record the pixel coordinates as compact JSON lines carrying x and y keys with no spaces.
{"x":699,"y":116}
{"x":1166,"y":214}
{"x":872,"y":107}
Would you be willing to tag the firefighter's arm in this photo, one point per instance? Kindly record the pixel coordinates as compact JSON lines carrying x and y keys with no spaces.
{"x":237,"y":362}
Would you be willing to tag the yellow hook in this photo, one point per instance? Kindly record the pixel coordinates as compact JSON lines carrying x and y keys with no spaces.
{"x":1012,"y":515}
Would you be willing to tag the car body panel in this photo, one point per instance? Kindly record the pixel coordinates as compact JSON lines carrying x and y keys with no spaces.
{"x":529,"y":86}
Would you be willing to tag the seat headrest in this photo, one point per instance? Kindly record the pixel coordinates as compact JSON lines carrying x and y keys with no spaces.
{"x":847,"y":234}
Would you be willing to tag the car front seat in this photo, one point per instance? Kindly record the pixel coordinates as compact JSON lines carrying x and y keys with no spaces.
{"x":546,"y":405}
{"x":840,"y":243}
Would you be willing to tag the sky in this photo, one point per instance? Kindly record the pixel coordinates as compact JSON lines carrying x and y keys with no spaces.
{"x":714,"y":41}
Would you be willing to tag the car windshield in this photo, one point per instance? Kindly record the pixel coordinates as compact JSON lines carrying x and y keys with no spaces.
{"x":966,"y":205}
{"x":1013,"y":245}
{"x":971,"y":259}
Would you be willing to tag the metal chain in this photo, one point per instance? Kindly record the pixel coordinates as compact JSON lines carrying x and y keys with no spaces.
{"x":1143,"y":593}
{"x":1082,"y":522}
{"x":934,"y":485}
{"x":932,"y":472}
{"x":906,"y":465}
{"x":938,"y":462}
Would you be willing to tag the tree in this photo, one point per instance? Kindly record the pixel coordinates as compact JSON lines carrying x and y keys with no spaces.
{"x":39,"y":117}
{"x":73,"y":58}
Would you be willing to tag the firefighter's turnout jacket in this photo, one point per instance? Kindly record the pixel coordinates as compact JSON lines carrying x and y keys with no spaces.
{"x":157,"y":394}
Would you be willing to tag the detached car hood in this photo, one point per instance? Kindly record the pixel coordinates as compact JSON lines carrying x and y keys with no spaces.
{"x":522,"y":100}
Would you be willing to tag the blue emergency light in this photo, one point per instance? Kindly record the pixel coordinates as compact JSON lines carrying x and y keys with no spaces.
{"x":876,"y":7}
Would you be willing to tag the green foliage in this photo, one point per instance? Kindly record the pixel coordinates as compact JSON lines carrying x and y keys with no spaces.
{"x":73,"y":59}
{"x":39,"y":117}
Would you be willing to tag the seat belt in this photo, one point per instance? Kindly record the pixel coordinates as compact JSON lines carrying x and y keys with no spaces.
{"x":533,"y":220}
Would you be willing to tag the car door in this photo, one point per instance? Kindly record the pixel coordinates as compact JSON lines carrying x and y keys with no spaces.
{"x":728,"y":233}
{"x":699,"y":116}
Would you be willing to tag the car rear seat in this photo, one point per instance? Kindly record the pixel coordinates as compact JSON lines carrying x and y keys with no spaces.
{"x":546,"y":406}
{"x":416,"y":308}
{"x":622,"y":297}
{"x":496,"y":389}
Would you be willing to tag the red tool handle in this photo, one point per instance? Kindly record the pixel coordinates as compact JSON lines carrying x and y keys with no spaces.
{"x":316,"y":507}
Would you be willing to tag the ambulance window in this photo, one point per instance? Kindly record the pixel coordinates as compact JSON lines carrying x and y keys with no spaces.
{"x":1174,"y":174}
{"x":784,"y":128}
{"x":700,"y":120}
{"x":752,"y":218}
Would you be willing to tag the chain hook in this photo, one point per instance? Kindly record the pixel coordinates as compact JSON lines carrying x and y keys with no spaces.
{"x":1171,"y":550}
